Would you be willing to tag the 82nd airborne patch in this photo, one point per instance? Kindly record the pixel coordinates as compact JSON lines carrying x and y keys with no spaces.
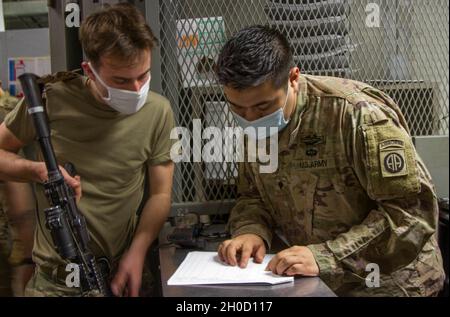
{"x":392,"y":158}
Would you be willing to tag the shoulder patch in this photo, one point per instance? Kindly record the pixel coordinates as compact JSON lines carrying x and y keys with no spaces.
{"x":392,"y":158}
{"x":391,"y":162}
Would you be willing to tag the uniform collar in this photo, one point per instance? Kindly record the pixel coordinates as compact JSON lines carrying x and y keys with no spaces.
{"x":288,"y":137}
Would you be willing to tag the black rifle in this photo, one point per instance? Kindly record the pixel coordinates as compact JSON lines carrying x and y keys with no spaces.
{"x":66,"y":224}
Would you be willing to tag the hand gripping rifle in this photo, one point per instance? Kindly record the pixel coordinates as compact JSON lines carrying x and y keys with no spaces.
{"x":66,"y":224}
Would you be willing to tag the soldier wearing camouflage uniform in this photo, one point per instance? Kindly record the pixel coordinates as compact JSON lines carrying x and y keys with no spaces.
{"x":5,"y":245}
{"x":6,"y":102}
{"x":16,"y":224}
{"x":350,"y":191}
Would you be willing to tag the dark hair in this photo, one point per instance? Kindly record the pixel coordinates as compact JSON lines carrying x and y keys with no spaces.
{"x":118,"y":30}
{"x":253,"y":56}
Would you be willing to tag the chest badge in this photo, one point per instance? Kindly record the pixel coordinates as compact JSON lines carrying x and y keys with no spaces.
{"x":312,"y":142}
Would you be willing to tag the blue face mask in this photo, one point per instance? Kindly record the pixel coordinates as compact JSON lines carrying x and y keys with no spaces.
{"x":262,"y":126}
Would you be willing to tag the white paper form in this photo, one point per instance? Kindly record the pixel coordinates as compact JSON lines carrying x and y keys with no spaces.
{"x":201,"y":268}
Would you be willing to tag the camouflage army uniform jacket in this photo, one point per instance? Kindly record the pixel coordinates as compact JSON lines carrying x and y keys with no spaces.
{"x":351,"y":187}
{"x":7,"y":103}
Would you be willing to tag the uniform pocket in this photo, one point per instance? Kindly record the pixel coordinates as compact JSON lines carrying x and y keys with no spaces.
{"x":392,"y":168}
{"x":302,"y":188}
{"x":275,"y":194}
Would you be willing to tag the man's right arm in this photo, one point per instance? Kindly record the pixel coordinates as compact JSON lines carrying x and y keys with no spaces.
{"x":250,"y":224}
{"x":250,"y":215}
{"x":14,"y":167}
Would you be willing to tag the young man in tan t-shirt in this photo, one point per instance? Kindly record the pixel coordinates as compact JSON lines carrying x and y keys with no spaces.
{"x":116,"y":133}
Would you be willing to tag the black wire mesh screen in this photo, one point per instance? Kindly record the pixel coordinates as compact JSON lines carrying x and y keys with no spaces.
{"x":399,"y":46}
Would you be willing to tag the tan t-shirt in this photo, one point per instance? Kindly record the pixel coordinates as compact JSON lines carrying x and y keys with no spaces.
{"x":110,"y":151}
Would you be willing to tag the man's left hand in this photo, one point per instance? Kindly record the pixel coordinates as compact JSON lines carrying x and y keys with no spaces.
{"x":294,"y":261}
{"x":128,"y":279}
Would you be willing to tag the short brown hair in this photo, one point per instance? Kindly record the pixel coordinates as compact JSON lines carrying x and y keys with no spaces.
{"x":118,"y":30}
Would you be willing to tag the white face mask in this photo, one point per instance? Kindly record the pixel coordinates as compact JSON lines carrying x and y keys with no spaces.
{"x":124,"y":101}
{"x":262,"y":126}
